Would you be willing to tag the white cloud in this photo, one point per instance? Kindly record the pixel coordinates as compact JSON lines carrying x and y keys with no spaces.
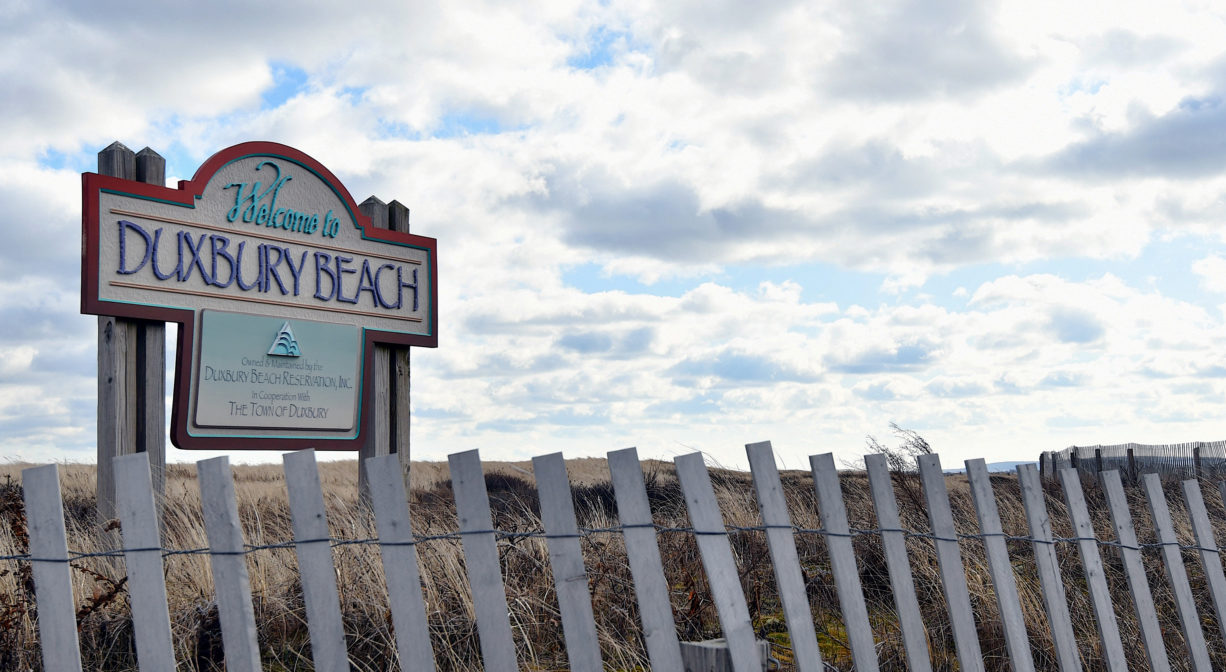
{"x":15,"y":360}
{"x":1212,"y":272}
{"x":780,"y":192}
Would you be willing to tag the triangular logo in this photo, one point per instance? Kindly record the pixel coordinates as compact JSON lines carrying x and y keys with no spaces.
{"x":285,"y":345}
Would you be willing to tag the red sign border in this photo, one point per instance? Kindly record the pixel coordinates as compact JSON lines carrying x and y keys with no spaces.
{"x":93,"y":185}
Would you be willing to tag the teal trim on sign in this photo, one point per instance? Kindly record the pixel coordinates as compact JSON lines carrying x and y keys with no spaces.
{"x":332,"y":436}
{"x":142,"y":303}
{"x":362,"y":381}
{"x":116,"y":192}
{"x":278,"y":436}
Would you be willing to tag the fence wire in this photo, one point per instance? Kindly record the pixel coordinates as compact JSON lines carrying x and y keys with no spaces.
{"x":508,"y":536}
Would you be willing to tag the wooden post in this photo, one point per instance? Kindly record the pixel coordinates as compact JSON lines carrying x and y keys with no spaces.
{"x":481,"y":560}
{"x":716,"y":553}
{"x":131,"y":362}
{"x":833,"y":514}
{"x":949,"y":560}
{"x":390,"y":422}
{"x":57,"y":623}
{"x":1132,"y":465}
{"x":1196,"y":465}
{"x":142,"y":537}
{"x":1047,"y":566}
{"x":1098,"y":460}
{"x":400,"y":567}
{"x":1177,"y":575}
{"x":566,"y":563}
{"x":894,"y":542}
{"x":315,"y":564}
{"x":1092,"y":565}
{"x":999,"y":567}
{"x":643,"y":551}
{"x":1134,"y":569}
{"x":781,"y":539}
{"x":1211,"y":562}
{"x":231,"y":581}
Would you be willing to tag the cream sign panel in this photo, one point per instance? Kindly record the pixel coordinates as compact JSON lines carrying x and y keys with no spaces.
{"x":263,"y":238}
{"x":281,"y":287}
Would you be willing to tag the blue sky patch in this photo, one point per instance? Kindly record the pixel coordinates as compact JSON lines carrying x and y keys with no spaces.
{"x":1162,"y":265}
{"x":180,"y":163}
{"x":877,"y":360}
{"x":287,"y":82}
{"x":79,"y":161}
{"x":597,"y":49}
{"x":462,"y":123}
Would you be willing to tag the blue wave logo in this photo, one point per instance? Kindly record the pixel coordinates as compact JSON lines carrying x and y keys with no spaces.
{"x":285,"y":345}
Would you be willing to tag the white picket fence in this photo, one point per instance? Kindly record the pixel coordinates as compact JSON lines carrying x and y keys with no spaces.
{"x":1193,"y":459}
{"x":50,"y":557}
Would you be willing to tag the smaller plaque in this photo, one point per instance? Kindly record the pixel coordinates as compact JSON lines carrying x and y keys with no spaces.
{"x":276,"y":377}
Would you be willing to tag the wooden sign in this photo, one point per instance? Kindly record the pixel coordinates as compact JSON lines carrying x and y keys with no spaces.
{"x":281,"y":286}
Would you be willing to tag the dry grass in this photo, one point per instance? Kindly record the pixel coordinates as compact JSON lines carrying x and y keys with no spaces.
{"x":105,"y":628}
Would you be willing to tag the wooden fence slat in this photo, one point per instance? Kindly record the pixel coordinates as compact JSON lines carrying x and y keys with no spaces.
{"x":1092,"y":565}
{"x":1172,"y":556}
{"x":1134,"y":569}
{"x":229,"y":564}
{"x":843,"y":561}
{"x":566,"y":563}
{"x":142,"y":541}
{"x":643,"y":551}
{"x":949,"y":558}
{"x":472,"y":503}
{"x":902,"y":583}
{"x":782,"y":542}
{"x":316,"y":568}
{"x":390,"y":503}
{"x":999,"y":566}
{"x":1210,"y":560}
{"x":1048,"y":567}
{"x":57,"y":620}
{"x":717,"y":560}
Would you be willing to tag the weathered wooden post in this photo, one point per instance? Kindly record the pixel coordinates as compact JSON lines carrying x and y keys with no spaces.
{"x":1198,"y":469}
{"x":390,"y":422}
{"x":1098,"y":460}
{"x":1132,"y":465}
{"x":131,"y":361}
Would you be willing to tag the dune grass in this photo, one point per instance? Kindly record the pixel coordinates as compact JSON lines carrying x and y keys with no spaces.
{"x":105,"y":626}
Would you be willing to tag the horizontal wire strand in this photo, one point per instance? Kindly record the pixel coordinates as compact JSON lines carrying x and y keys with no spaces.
{"x":502,"y":535}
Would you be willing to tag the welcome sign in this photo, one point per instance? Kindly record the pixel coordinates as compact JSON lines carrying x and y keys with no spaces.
{"x":280,"y":285}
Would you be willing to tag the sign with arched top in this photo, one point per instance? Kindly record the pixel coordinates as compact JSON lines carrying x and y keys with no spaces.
{"x":281,"y":287}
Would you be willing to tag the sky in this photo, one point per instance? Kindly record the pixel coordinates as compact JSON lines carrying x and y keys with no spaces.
{"x":686,"y":225}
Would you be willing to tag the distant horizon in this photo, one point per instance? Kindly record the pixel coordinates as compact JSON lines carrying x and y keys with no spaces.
{"x":688,"y":227}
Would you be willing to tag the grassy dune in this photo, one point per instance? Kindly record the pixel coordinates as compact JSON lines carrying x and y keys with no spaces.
{"x":105,"y":628}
